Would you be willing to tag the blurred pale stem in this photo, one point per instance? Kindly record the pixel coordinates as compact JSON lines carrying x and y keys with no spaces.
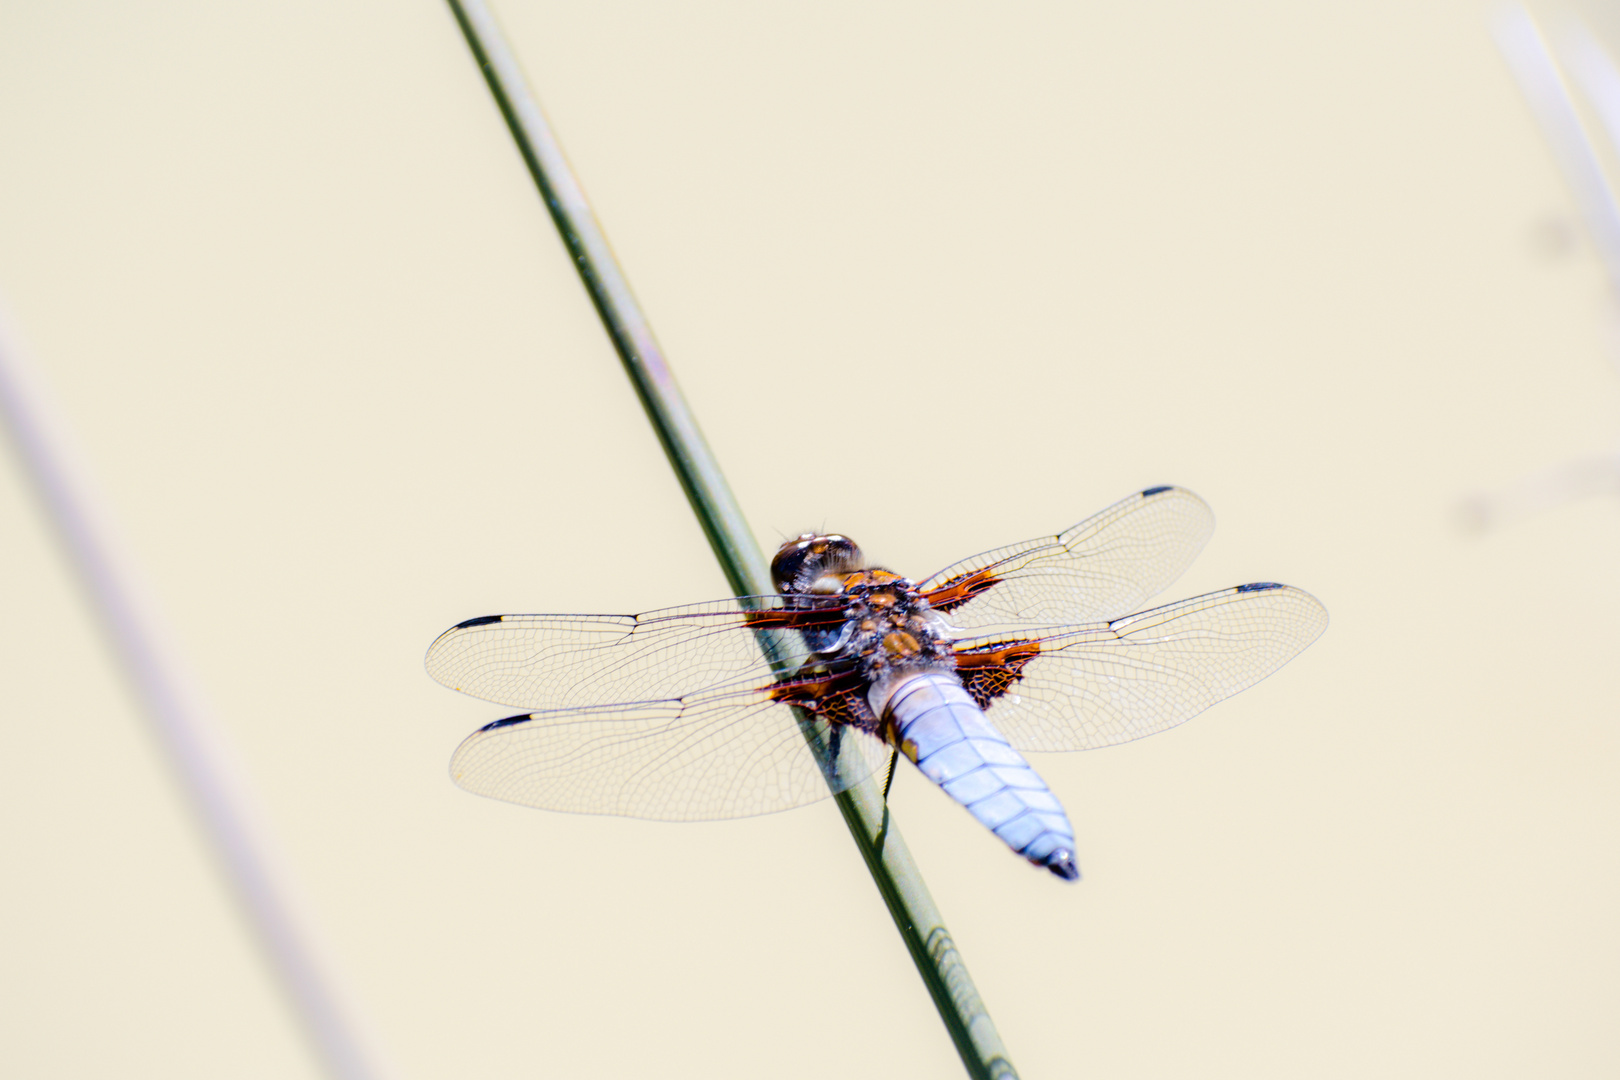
{"x":179,"y":726}
{"x":1594,"y":71}
{"x":733,"y":541}
{"x":1545,"y":92}
{"x":1579,"y":158}
{"x":1579,"y":479}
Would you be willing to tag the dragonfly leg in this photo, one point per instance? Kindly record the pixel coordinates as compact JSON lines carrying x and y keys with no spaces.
{"x":883,"y":830}
{"x":835,"y":739}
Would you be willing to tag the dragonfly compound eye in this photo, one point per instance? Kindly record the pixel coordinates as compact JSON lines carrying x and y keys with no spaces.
{"x":800,"y":562}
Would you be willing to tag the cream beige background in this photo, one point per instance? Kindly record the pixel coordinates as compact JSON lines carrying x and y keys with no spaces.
{"x":939,"y":276}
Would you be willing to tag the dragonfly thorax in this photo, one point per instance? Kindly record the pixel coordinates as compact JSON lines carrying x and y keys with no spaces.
{"x":891,"y":634}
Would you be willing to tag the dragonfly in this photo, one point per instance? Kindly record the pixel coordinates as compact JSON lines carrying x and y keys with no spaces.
{"x":702,"y":712}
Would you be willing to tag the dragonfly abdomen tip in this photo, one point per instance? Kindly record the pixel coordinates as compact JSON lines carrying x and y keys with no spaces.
{"x":1061,"y":862}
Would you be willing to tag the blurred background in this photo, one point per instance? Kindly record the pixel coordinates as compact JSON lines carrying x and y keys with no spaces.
{"x":941,"y":277}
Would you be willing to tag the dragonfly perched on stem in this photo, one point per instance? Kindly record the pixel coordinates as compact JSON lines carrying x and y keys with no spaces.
{"x":680,"y":715}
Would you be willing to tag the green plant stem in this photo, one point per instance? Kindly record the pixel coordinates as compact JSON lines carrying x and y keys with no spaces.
{"x":880,"y":843}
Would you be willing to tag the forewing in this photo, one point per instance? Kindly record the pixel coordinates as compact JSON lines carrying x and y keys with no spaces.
{"x":1088,"y":686}
{"x":1107,"y":565}
{"x":723,"y":755}
{"x":548,"y":662}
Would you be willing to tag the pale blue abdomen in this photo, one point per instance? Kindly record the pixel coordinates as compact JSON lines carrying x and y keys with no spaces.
{"x":941,"y":729}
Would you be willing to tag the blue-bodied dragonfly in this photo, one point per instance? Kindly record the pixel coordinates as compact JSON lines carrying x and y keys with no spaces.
{"x":696,"y":713}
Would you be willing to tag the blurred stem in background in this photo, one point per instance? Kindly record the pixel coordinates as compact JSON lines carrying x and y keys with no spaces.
{"x":1579,"y":158}
{"x":880,"y":843}
{"x":180,"y":727}
{"x":1553,"y":107}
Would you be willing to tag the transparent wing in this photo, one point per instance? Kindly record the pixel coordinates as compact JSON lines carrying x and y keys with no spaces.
{"x":719,"y":755}
{"x":1107,"y":565}
{"x":566,"y":661}
{"x":1091,"y":686}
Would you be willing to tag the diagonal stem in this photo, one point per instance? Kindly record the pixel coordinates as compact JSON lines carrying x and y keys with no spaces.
{"x":178,"y":723}
{"x":880,"y":844}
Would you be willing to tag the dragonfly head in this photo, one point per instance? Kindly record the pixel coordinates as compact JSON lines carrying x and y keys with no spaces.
{"x":802,"y":561}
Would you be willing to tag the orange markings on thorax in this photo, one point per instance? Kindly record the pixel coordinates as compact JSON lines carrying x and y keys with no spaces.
{"x":901,"y":644}
{"x":870,"y":577}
